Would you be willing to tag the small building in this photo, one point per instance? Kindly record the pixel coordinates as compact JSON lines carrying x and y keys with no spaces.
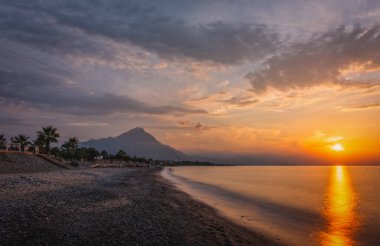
{"x":13,"y":147}
{"x":17,"y":147}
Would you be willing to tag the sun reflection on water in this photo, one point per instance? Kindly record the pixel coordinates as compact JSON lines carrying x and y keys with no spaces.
{"x":340,"y":210}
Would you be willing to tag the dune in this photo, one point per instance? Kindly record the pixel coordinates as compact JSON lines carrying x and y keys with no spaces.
{"x":24,"y":163}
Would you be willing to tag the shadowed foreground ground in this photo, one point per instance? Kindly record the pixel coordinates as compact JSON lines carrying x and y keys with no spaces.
{"x":108,"y":207}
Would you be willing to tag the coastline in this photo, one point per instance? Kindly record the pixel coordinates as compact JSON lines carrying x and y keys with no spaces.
{"x":206,"y":221}
{"x":109,"y":206}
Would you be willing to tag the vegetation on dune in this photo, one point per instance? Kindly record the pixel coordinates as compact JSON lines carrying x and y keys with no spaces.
{"x":21,"y":139}
{"x":40,"y":142}
{"x":121,"y":155}
{"x":71,"y":147}
{"x":71,"y":150}
{"x":48,"y":135}
{"x":88,"y":153}
{"x":2,"y":141}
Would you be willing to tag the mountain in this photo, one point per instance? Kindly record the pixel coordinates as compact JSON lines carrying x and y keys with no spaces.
{"x":137,"y":142}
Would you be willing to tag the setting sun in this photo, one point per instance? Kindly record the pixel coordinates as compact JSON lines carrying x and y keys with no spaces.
{"x":337,"y":147}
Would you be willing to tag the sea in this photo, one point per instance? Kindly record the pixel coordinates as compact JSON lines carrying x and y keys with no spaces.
{"x":292,"y":205}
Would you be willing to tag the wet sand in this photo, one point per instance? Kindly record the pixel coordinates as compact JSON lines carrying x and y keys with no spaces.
{"x":111,"y":206}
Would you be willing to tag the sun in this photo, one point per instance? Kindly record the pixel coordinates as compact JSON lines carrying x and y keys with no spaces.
{"x":337,"y":147}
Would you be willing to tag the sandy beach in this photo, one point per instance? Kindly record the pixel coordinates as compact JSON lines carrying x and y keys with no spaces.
{"x":109,"y":206}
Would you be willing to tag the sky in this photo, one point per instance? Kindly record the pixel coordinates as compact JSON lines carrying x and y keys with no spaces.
{"x":291,"y":77}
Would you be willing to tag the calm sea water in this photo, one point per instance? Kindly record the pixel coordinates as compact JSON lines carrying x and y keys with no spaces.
{"x":296,"y":205}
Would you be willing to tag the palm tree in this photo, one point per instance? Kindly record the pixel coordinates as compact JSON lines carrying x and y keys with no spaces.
{"x":71,"y":145}
{"x":40,"y":142}
{"x":22,"y":140}
{"x":2,"y":141}
{"x":47,"y":136}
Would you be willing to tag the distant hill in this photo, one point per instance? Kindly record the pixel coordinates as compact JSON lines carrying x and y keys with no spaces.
{"x":137,"y":142}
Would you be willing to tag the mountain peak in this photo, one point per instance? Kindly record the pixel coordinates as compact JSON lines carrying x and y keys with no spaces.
{"x":134,"y":131}
{"x":137,"y":142}
{"x":137,"y":130}
{"x":137,"y":134}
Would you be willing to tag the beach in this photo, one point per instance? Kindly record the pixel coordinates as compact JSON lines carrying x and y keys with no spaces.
{"x":109,"y":206}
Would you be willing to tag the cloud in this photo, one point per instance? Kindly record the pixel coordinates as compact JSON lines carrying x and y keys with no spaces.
{"x":9,"y":120}
{"x":240,"y":101}
{"x":333,"y":139}
{"x":227,"y":99}
{"x":75,"y":27}
{"x":320,"y":139}
{"x":46,"y":80}
{"x":195,"y":125}
{"x":40,"y":39}
{"x":28,"y":25}
{"x":325,"y":58}
{"x":367,"y":106}
{"x":88,"y":124}
{"x":56,"y":96}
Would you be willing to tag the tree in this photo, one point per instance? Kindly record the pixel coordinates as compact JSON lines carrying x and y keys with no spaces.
{"x":40,"y":142}
{"x":2,"y":141}
{"x":56,"y":151}
{"x":91,"y":153}
{"x":105,"y":155}
{"x":47,"y":136}
{"x":87,"y":153}
{"x":71,"y":146}
{"x":122,"y":155}
{"x":22,"y":140}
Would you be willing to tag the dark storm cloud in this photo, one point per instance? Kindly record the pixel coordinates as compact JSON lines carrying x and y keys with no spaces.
{"x":63,"y":25}
{"x":321,"y":60}
{"x":40,"y":30}
{"x":36,"y":35}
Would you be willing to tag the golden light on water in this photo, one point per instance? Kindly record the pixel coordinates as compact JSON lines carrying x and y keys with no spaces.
{"x":340,"y":210}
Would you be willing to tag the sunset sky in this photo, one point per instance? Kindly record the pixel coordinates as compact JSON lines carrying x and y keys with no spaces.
{"x":260,"y":76}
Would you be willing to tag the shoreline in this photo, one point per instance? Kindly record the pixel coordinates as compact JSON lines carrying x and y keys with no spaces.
{"x":207,"y":212}
{"x":110,"y":206}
